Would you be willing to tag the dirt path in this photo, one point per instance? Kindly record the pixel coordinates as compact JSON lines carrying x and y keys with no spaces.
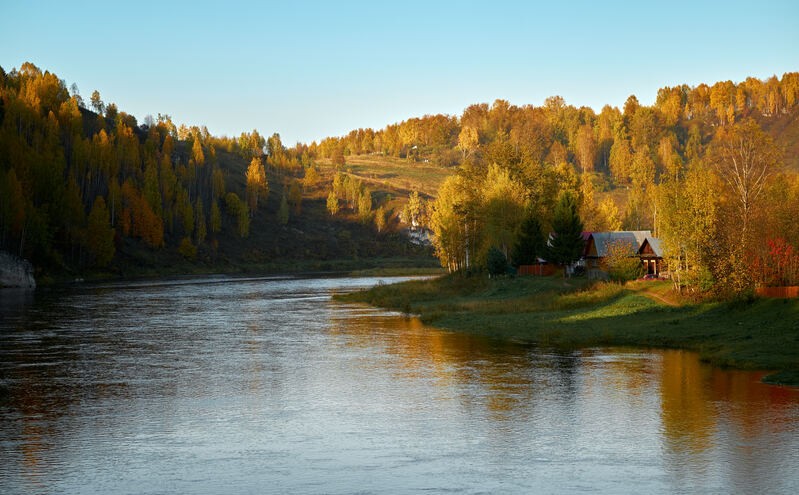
{"x":655,"y":296}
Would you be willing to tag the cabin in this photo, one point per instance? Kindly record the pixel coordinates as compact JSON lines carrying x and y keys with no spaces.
{"x":651,"y":255}
{"x":641,"y":242}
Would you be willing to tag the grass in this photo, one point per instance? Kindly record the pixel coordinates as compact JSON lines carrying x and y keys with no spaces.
{"x":396,"y":271}
{"x":759,"y":334}
{"x":396,"y":175}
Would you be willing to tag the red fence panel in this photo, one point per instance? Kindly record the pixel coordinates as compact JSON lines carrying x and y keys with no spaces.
{"x":778,"y":292}
{"x":536,"y":270}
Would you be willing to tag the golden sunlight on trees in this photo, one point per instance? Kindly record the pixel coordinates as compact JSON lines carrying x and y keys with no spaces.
{"x":502,"y":209}
{"x":415,"y":210}
{"x":450,"y":226}
{"x":197,"y":155}
{"x":468,"y":141}
{"x":586,"y":148}
{"x":257,"y":185}
{"x":703,"y":167}
{"x":365,"y":205}
{"x":332,"y":203}
{"x":745,"y":158}
{"x":311,"y":178}
{"x":687,"y":207}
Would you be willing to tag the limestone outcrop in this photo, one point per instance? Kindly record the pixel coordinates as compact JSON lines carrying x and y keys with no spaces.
{"x":15,"y":272}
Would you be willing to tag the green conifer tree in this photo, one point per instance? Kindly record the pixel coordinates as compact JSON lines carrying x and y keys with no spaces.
{"x":566,"y":243}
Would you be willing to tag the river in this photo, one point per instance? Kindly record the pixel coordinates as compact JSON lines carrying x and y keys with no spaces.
{"x":267,"y":385}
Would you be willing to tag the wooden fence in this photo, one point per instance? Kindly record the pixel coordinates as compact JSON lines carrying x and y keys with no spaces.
{"x":778,"y":292}
{"x":537,"y":270}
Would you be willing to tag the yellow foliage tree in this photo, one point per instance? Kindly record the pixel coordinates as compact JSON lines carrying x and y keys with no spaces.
{"x":257,"y":186}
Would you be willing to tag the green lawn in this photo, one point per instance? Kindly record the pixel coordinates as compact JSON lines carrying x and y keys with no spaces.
{"x":758,"y":334}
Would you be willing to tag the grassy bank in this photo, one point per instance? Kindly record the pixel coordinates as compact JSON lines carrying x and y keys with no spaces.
{"x":757,"y":334}
{"x":396,"y":266}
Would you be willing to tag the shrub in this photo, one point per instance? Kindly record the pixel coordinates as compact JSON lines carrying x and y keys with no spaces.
{"x":496,"y":262}
{"x":187,"y":249}
{"x":622,"y":262}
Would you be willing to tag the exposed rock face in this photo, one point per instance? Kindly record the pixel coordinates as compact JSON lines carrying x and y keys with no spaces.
{"x":15,"y":272}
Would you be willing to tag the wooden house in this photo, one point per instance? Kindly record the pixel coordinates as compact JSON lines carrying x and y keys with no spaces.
{"x":651,"y":255}
{"x":640,"y":242}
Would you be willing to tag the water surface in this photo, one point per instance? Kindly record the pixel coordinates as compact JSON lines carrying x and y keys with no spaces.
{"x":269,"y":386}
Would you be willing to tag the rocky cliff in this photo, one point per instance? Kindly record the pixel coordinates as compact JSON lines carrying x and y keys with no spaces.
{"x":15,"y":272}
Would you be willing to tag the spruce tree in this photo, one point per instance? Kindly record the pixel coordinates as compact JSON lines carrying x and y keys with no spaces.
{"x":530,"y":242}
{"x":566,"y":243}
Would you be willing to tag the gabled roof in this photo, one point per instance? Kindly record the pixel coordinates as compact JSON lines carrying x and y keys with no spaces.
{"x":653,"y":243}
{"x":604,"y":239}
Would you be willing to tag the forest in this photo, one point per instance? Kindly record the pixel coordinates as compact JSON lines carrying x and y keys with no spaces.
{"x":87,"y":189}
{"x":710,"y":169}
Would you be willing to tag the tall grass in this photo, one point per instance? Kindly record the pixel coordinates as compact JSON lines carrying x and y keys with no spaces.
{"x":597,"y":293}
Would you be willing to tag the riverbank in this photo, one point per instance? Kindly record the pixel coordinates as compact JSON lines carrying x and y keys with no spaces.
{"x":395,"y":266}
{"x":753,"y":334}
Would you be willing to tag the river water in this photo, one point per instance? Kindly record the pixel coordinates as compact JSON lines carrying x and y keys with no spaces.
{"x":268,"y":386}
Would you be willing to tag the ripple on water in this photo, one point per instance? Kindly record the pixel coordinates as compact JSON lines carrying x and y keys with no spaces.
{"x":265,"y":384}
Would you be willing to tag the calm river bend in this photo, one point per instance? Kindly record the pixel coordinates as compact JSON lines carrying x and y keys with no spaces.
{"x":268,"y":386}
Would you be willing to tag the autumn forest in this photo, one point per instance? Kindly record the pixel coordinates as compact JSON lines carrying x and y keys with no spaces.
{"x":712,"y":170}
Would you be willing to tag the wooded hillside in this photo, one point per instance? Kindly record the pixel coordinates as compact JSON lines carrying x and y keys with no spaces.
{"x":711,"y":169}
{"x":85,"y":187}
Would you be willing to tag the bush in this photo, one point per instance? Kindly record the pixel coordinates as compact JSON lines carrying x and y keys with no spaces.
{"x":622,"y":262}
{"x":496,"y":262}
{"x":187,"y":249}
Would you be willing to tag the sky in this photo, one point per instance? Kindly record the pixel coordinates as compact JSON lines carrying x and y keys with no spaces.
{"x":309,"y":70}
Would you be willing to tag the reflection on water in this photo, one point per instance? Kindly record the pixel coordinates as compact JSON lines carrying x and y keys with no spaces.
{"x":268,"y":386}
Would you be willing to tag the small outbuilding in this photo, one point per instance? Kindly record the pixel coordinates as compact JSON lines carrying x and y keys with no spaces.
{"x":651,"y":255}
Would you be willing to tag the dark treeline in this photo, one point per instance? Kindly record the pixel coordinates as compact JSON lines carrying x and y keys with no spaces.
{"x":75,"y":183}
{"x":82,"y":183}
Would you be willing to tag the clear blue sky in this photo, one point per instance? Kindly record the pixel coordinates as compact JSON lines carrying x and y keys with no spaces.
{"x":313,"y":69}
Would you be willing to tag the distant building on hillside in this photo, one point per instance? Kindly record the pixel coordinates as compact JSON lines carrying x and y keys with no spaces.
{"x":419,"y":236}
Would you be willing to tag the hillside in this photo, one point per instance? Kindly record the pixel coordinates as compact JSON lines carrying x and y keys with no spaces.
{"x":711,"y":170}
{"x":399,"y":176}
{"x":87,"y":190}
{"x":311,"y":240}
{"x":784,"y":129}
